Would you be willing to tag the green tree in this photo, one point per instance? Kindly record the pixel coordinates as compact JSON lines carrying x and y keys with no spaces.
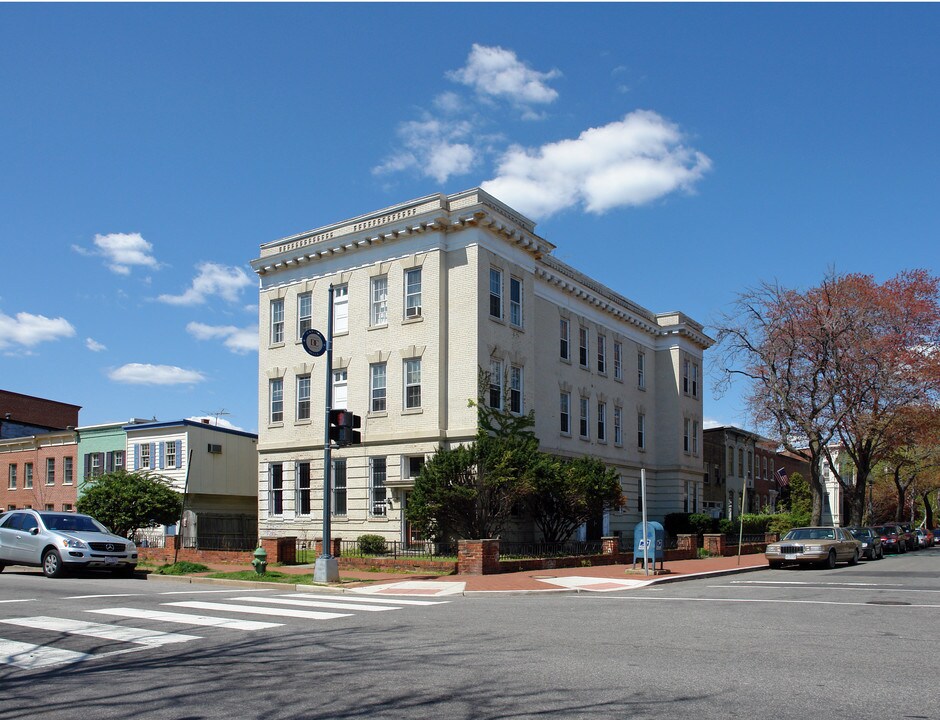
{"x":127,"y":501}
{"x":565,"y":494}
{"x":801,"y":500}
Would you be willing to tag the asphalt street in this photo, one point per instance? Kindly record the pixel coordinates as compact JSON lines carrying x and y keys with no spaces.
{"x":854,"y":642}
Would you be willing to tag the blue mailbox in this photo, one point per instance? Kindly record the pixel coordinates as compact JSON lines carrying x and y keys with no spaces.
{"x":654,"y":542}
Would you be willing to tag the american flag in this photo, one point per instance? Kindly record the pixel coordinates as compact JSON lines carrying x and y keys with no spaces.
{"x":782,"y":477}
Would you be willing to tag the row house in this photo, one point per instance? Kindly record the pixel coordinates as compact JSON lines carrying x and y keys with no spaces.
{"x":426,"y":294}
{"x":740,"y":472}
{"x":40,"y":471}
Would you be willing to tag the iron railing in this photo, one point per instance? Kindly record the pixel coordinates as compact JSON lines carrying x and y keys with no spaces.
{"x":535,"y":550}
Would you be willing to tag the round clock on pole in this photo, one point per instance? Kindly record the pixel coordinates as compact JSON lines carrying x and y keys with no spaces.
{"x":314,"y":342}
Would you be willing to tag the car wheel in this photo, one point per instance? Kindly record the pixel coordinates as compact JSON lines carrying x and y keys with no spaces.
{"x":830,"y":562}
{"x":854,"y":559}
{"x":881,"y":553}
{"x":775,"y":564}
{"x":52,"y":564}
{"x":1,"y":567}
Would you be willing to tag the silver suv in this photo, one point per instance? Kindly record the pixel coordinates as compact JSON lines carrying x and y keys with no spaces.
{"x":59,"y":541}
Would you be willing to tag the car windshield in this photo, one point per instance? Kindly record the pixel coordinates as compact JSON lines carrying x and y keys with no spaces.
{"x":810,"y":534}
{"x":861,"y":533}
{"x":69,"y":522}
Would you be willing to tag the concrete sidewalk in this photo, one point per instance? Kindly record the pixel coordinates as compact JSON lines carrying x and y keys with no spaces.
{"x":603,"y":578}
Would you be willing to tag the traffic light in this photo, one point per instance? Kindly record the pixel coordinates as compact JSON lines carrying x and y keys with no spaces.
{"x":343,"y":424}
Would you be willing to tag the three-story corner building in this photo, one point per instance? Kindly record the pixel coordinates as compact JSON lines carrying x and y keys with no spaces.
{"x":426,"y":294}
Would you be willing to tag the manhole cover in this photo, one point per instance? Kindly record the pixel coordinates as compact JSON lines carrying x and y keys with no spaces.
{"x":886,"y":602}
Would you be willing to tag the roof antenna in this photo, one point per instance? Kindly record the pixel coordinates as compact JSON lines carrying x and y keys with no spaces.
{"x":217,"y":414}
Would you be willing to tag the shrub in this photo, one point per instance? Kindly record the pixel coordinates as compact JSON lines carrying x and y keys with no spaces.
{"x":700,"y":523}
{"x":372,"y":545}
{"x":726,"y":526}
{"x":755,"y":524}
{"x":677,"y":524}
{"x":182,"y":568}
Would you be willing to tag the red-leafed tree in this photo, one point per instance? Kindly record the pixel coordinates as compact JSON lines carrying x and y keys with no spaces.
{"x":835,"y":365}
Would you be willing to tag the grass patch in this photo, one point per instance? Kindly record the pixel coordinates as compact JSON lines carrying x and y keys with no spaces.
{"x":270,"y":576}
{"x":182,"y":568}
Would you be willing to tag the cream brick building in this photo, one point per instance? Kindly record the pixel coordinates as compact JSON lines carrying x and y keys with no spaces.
{"x":427,"y":293}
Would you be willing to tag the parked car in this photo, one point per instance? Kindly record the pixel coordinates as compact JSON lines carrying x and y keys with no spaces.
{"x":816,"y":545}
{"x":870,"y":540}
{"x":920,"y":535}
{"x":61,"y":541}
{"x":891,"y":538}
{"x":907,"y":532}
{"x":936,"y":536}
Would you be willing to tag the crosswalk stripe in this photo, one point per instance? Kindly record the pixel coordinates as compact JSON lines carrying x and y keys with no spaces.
{"x":138,"y":636}
{"x":188,"y":619}
{"x":28,"y":657}
{"x":370,"y":599}
{"x":317,"y":603}
{"x":272,"y":612}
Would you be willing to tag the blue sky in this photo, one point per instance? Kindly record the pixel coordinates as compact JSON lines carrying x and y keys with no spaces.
{"x":677,"y":153}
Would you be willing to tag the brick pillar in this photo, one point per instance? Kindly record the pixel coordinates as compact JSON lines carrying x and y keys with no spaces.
{"x":688,"y":543}
{"x":335,"y":546}
{"x":610,"y":546}
{"x":478,"y":557}
{"x":280,"y":550}
{"x":715,"y":544}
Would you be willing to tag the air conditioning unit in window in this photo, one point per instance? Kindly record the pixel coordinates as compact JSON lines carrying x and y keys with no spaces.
{"x":215,"y":449}
{"x":378,"y":508}
{"x":413,"y":312}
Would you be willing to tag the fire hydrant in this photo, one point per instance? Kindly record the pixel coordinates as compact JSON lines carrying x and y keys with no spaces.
{"x":260,"y":562}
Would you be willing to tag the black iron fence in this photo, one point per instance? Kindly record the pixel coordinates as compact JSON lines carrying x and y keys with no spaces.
{"x":236,"y":542}
{"x":530,"y":550}
{"x":396,"y":549}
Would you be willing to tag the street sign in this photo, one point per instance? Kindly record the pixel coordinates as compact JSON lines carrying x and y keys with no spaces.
{"x":314,"y":342}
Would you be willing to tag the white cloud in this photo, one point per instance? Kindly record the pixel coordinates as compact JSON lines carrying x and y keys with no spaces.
{"x":27,"y":330}
{"x":94,"y":345}
{"x":146,"y":374}
{"x":213,"y":279}
{"x":238,"y":340}
{"x":437,"y":148}
{"x":626,"y":163}
{"x":122,"y":252}
{"x":709,"y":423}
{"x":498,"y":73}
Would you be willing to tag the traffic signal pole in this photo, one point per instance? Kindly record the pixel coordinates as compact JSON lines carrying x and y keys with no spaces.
{"x":326,"y":568}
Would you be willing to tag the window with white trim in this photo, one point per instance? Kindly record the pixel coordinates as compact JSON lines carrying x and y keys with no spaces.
{"x":412,"y":383}
{"x":602,"y":354}
{"x":641,"y":430}
{"x":686,"y":435}
{"x":379,"y":312}
{"x":496,"y":293}
{"x":276,"y":489}
{"x":277,"y":321}
{"x":304,"y":313}
{"x":564,"y":330}
{"x":27,"y":475}
{"x":618,"y":425}
{"x":694,"y":380}
{"x":302,"y":503}
{"x":515,"y":389}
{"x":641,"y":370}
{"x":378,"y":387}
{"x":145,"y":459}
{"x":11,"y":477}
{"x":413,"y":293}
{"x":276,"y":391}
{"x":618,"y":360}
{"x":584,"y":426}
{"x":686,"y":376}
{"x":117,"y":460}
{"x":340,"y":390}
{"x":303,"y":397}
{"x":695,"y":437}
{"x":565,"y":413}
{"x":496,"y":384}
{"x":339,"y":487}
{"x":378,"y":493}
{"x":68,"y":470}
{"x":340,"y":309}
{"x":602,"y":422}
{"x":50,"y":471}
{"x":582,"y":346}
{"x":515,"y":301}
{"x":170,"y":454}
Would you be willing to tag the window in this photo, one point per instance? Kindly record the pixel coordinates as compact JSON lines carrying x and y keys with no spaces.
{"x":515,"y":301}
{"x":515,"y":389}
{"x":277,"y":321}
{"x":117,"y":460}
{"x":50,"y":471}
{"x":618,"y":360}
{"x":694,"y":380}
{"x":144,"y":458}
{"x":276,"y":489}
{"x":741,"y":462}
{"x":582,"y":346}
{"x":641,"y":370}
{"x":686,"y":435}
{"x":49,"y":507}
{"x":277,"y":400}
{"x":641,"y":430}
{"x":94,"y":468}
{"x":27,"y":475}
{"x":412,"y":383}
{"x":565,"y":348}
{"x":379,"y":311}
{"x":618,"y":425}
{"x":565,"y":409}
{"x":584,"y":428}
{"x":66,"y":507}
{"x":377,"y":490}
{"x":496,"y":293}
{"x":602,"y":354}
{"x":686,"y":379}
{"x":602,"y":422}
{"x":750,"y":465}
{"x":171,"y":454}
{"x":695,"y":437}
{"x":763,"y":462}
{"x":303,"y":397}
{"x":378,"y":380}
{"x":340,"y":396}
{"x":496,"y":384}
{"x":304,"y":313}
{"x":730,"y":472}
{"x":68,"y":470}
{"x":339,"y":487}
{"x":302,"y":501}
{"x":413,"y":293}
{"x":340,"y":309}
